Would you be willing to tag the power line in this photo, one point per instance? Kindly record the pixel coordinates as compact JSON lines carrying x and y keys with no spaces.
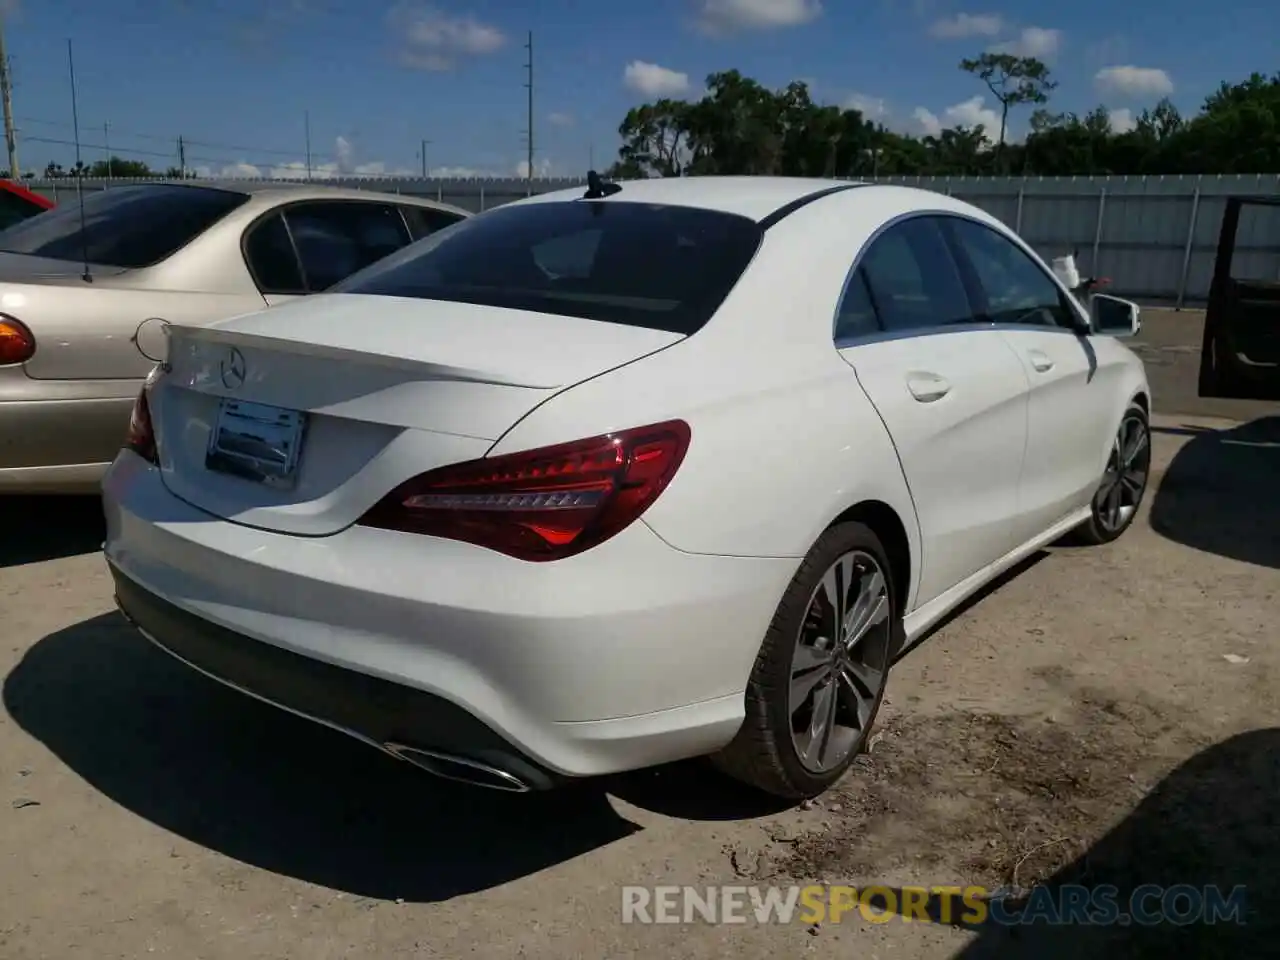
{"x":157,"y":138}
{"x":170,"y":155}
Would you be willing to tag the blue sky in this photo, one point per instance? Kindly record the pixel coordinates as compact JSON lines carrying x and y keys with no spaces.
{"x":238,"y":78}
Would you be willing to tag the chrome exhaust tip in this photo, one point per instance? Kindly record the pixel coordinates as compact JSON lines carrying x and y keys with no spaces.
{"x":461,"y":769}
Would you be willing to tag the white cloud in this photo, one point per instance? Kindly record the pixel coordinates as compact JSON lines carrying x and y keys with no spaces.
{"x":654,"y":81}
{"x":927,"y":121}
{"x":561,"y":119}
{"x":1122,"y":120}
{"x":729,"y":16}
{"x":541,"y":168}
{"x":971,"y":113}
{"x":460,"y":173}
{"x":967,"y":25}
{"x":1038,"y":42}
{"x":343,"y":164}
{"x":1133,"y":81}
{"x":968,"y":113}
{"x":240,"y":170}
{"x":432,"y":40}
{"x":871,"y":108}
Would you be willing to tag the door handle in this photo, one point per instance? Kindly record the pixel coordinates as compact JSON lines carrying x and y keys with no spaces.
{"x":1041,"y":362}
{"x":927,"y":387}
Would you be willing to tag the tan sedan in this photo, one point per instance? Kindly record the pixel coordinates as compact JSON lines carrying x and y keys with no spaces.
{"x":84,"y":298}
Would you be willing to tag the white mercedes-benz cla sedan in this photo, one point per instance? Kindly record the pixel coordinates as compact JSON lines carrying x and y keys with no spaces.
{"x":596,"y":481}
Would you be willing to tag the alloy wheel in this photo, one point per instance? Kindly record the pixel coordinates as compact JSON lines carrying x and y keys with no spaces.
{"x":1125,"y":479}
{"x":840,"y":661}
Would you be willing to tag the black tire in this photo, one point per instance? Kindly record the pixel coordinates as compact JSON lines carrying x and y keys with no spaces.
{"x":1099,"y":528}
{"x":764,"y":752}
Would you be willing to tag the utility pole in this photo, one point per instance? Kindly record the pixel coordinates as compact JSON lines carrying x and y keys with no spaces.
{"x":106,"y":147}
{"x":6,"y":94}
{"x":423,"y":155}
{"x":529,"y":86}
{"x":182,"y":157}
{"x":306,"y":119}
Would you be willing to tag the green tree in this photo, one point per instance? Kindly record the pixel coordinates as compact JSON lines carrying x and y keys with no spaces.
{"x":957,"y":151}
{"x":116,"y":167}
{"x":741,"y":127}
{"x":1013,"y":81}
{"x":655,"y":138}
{"x":1237,"y":131}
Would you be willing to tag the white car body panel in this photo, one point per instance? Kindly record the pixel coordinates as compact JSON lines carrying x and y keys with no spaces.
{"x":1078,"y":390}
{"x":571,"y":660}
{"x":961,"y":450}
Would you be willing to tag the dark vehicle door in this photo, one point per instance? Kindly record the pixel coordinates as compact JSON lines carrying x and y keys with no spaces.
{"x":1240,"y":353}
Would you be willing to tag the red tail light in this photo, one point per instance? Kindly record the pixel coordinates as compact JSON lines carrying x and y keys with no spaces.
{"x":17,"y":345}
{"x":542,"y":504}
{"x":141,"y":438}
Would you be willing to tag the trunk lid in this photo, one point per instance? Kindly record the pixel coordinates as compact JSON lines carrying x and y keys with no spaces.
{"x":321,"y":406}
{"x":24,"y":268}
{"x":97,"y":331}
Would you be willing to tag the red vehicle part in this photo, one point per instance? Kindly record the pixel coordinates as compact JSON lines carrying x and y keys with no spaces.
{"x":17,"y":203}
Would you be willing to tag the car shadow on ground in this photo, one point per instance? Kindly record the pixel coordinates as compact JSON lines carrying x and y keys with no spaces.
{"x":33,"y":529}
{"x":278,"y":792}
{"x":1221,"y":493}
{"x":281,"y":793}
{"x":1211,"y":829}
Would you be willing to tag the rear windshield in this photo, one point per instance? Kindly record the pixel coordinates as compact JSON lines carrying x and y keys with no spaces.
{"x":643,"y":265}
{"x":128,"y":227}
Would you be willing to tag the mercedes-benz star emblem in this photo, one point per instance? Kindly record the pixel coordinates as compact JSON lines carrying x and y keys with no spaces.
{"x":232,"y":369}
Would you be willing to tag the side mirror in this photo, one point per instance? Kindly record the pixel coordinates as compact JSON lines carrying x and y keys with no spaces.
{"x":1113,"y":317}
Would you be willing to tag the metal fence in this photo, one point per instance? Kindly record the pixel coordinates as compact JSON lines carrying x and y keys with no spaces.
{"x":1155,"y":237}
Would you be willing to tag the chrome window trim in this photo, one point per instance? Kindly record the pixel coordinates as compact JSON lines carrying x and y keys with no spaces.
{"x":883,"y":336}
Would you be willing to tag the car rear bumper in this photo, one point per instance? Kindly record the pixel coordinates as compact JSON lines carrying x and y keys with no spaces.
{"x":368,"y":708}
{"x":629,"y":655}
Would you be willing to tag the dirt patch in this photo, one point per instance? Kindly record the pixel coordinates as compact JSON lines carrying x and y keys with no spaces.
{"x":981,"y":798}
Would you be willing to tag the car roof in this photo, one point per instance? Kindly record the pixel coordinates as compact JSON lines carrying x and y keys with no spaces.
{"x":754,"y":197}
{"x":272,"y":191}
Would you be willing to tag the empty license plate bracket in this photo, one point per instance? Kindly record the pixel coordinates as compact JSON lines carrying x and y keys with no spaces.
{"x":256,"y":442}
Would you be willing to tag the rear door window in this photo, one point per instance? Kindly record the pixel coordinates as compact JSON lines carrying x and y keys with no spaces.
{"x":857,"y":314}
{"x":127,"y":227}
{"x":271,"y":259}
{"x":647,"y":265}
{"x":912,"y":279}
{"x":336,"y":238}
{"x":424,"y":221}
